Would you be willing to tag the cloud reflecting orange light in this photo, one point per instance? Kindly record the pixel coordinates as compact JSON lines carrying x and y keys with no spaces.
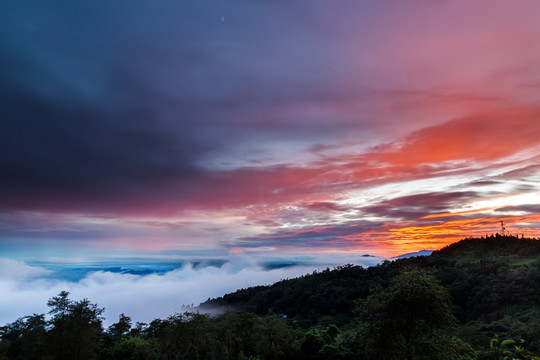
{"x":415,"y":238}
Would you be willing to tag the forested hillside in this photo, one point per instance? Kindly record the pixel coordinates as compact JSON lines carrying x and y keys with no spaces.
{"x":449,"y":305}
{"x":466,"y":268}
{"x":494,"y":284}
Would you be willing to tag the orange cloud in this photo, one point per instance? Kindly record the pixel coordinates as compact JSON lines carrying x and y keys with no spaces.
{"x":414,"y":238}
{"x":480,"y":137}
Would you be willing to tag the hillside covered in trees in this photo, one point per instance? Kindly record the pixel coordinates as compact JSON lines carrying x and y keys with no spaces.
{"x":452,"y":304}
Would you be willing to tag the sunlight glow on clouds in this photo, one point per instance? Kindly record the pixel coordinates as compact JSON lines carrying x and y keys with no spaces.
{"x":369,"y":127}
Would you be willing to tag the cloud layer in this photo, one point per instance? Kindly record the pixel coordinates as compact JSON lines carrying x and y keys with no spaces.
{"x":146,"y":297}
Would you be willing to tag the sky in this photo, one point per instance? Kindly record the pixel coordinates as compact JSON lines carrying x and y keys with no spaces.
{"x":179,"y":150}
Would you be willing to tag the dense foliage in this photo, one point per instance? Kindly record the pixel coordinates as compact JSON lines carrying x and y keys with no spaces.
{"x":450,"y":305}
{"x":493,"y":282}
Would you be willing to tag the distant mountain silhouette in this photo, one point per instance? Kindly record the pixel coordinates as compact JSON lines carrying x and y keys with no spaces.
{"x":413,"y":254}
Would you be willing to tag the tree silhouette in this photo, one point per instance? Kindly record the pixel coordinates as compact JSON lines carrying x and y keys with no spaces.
{"x":76,"y":328}
{"x":25,"y":338}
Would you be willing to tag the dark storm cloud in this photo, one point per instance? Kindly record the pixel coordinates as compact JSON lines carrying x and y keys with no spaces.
{"x":79,"y":122}
{"x":122,"y":102}
{"x":67,"y":149}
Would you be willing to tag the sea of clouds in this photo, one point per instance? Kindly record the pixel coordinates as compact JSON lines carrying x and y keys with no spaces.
{"x":25,"y":289}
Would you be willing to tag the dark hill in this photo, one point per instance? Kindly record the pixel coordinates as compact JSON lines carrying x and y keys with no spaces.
{"x":494,"y":283}
{"x":497,"y":245}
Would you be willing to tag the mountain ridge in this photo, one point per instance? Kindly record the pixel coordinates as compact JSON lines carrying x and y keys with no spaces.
{"x":492,"y":281}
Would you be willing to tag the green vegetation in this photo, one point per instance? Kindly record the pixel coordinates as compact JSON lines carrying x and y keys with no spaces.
{"x":411,"y":319}
{"x":475,"y":299}
{"x":511,"y":349}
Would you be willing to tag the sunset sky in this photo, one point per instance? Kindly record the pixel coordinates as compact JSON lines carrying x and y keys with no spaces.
{"x":166,"y":133}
